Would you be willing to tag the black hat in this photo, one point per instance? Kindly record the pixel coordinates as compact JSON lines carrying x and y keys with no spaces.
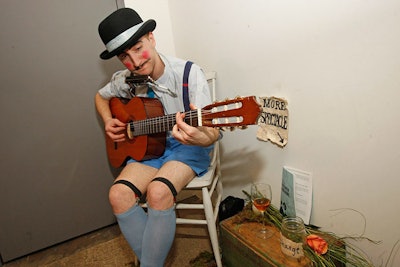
{"x":121,"y":30}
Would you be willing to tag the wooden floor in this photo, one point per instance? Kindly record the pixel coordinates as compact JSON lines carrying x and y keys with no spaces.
{"x":107,"y":247}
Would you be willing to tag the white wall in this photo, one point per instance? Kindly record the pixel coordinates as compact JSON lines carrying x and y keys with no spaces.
{"x":338,"y":64}
{"x":159,"y":11}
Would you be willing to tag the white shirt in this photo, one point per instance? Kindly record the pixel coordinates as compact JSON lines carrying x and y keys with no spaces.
{"x":172,"y":78}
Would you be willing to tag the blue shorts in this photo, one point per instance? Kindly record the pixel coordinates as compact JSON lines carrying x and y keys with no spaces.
{"x":196,"y":157}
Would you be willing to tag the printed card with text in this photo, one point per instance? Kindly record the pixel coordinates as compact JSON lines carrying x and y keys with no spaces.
{"x":296,"y":195}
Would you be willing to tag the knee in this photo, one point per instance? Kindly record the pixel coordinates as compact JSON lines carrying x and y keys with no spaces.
{"x":159,"y":196}
{"x":121,"y":198}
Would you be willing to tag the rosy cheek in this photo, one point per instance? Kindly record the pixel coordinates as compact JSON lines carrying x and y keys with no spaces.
{"x":128,"y":65}
{"x":145,"y":54}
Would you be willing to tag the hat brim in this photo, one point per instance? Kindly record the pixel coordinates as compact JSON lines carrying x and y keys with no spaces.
{"x":147,"y":27}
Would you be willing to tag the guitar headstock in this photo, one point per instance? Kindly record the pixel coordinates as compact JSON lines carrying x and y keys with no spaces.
{"x":237,"y":112}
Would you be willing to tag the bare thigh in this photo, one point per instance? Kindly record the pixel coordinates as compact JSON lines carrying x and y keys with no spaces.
{"x":178,"y":173}
{"x":138,"y":174}
{"x":159,"y":195}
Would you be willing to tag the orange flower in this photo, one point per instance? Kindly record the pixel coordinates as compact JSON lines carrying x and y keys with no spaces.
{"x":318,"y":244}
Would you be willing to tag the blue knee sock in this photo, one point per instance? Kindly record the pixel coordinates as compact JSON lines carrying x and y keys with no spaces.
{"x":158,"y":237}
{"x":132,"y":224}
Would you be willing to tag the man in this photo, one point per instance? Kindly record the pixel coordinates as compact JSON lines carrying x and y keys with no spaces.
{"x":151,"y":235}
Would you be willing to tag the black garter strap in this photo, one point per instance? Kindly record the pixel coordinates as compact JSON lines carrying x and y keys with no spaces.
{"x":131,"y":186}
{"x":168,"y":183}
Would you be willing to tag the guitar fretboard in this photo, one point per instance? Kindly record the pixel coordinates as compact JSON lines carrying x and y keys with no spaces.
{"x":162,"y":123}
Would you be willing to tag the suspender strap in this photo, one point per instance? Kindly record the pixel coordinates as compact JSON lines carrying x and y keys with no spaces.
{"x":131,"y":186}
{"x":168,"y":183}
{"x":185,"y":86}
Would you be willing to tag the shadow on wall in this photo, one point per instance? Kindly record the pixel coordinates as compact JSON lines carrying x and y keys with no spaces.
{"x":241,"y":167}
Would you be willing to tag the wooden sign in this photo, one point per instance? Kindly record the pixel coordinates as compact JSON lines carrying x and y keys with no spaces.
{"x":274,"y":121}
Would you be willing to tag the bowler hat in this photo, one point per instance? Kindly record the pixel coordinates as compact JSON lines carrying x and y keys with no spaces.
{"x":121,"y":30}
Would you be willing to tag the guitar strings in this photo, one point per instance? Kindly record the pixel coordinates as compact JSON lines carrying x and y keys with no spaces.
{"x":162,"y":123}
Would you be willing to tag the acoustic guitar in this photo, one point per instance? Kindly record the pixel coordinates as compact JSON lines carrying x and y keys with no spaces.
{"x":147,"y":125}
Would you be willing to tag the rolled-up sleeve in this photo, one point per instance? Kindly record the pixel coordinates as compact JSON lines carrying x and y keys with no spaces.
{"x":117,"y":87}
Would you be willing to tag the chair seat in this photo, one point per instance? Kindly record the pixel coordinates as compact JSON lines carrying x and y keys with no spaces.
{"x":202,"y":181}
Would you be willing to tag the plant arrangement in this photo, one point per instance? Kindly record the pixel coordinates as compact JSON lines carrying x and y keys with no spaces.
{"x":323,"y":249}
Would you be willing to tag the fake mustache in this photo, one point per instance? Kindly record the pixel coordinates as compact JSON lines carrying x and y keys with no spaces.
{"x":141,"y":65}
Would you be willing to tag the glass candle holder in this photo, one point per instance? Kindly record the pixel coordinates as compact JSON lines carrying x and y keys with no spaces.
{"x":293,"y":237}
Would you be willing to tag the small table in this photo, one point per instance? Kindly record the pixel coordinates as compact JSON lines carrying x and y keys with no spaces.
{"x":241,"y":247}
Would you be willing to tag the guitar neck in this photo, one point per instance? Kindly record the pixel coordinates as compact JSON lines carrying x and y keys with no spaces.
{"x":161,"y":124}
{"x":232,"y":113}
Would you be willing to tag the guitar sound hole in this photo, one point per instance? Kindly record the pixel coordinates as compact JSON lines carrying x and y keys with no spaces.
{"x":130,"y":130}
{"x":131,"y":127}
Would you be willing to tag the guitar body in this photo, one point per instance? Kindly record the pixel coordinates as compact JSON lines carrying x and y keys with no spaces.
{"x":141,"y":147}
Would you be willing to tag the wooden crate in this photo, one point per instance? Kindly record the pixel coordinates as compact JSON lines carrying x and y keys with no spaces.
{"x":242,"y":248}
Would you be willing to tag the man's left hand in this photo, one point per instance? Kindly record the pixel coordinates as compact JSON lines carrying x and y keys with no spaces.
{"x":189,"y":135}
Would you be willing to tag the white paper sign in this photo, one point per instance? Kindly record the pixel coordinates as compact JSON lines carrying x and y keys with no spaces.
{"x":274,"y":121}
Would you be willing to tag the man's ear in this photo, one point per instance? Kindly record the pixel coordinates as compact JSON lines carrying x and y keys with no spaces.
{"x":151,"y":38}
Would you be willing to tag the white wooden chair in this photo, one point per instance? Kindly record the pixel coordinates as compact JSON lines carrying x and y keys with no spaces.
{"x":211,"y":190}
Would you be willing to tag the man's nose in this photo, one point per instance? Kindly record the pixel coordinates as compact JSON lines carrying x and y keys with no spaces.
{"x":134,"y":58}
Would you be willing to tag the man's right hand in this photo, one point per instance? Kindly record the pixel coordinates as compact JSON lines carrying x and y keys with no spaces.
{"x":115,"y":129}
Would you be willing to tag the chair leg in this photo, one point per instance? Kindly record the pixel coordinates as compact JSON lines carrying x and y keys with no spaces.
{"x":211,"y":224}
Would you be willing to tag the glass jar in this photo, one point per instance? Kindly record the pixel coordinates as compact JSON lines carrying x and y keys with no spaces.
{"x":293,"y":237}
